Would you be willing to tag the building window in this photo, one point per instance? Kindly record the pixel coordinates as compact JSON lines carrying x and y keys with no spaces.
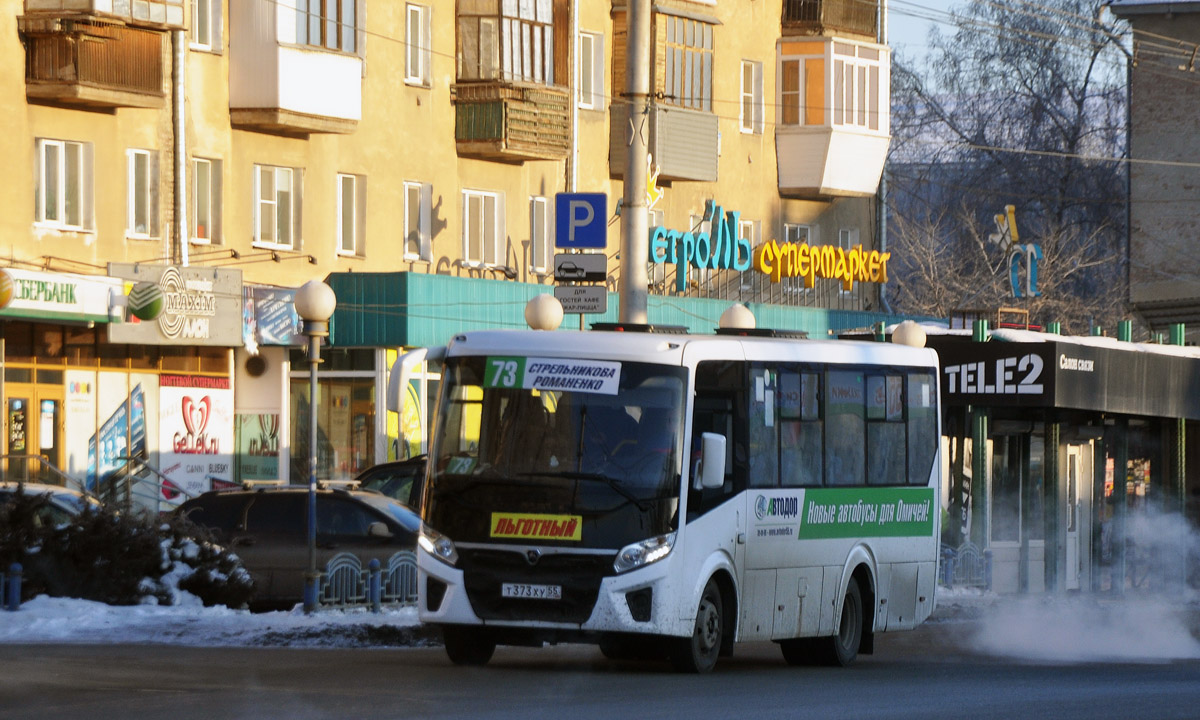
{"x":63,"y":193}
{"x":142,"y":185}
{"x":847,"y":239}
{"x":702,"y":276}
{"x":539,"y":234}
{"x":417,"y":45}
{"x":206,"y":200}
{"x":516,"y":44}
{"x":797,"y":233}
{"x":482,"y":228}
{"x":689,"y":62}
{"x":856,"y":74}
{"x":206,"y":25}
{"x":591,"y":71}
{"x":351,"y":213}
{"x":331,"y":24}
{"x":751,"y":112}
{"x":277,"y":207}
{"x":417,"y":210}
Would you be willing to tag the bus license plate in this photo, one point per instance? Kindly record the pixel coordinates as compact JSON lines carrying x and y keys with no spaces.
{"x":535,"y":592}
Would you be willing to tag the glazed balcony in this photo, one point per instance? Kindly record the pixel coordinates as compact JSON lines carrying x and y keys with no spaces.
{"x":93,"y":64}
{"x":153,"y":14}
{"x":830,"y":17}
{"x":511,"y":122}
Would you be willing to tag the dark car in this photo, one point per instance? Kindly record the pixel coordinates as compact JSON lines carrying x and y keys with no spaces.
{"x":267,"y":527}
{"x":403,"y":480}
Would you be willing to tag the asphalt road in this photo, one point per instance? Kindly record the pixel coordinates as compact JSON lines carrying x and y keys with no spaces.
{"x":924,"y":674}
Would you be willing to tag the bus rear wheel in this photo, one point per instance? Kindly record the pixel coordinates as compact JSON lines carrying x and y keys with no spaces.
{"x":842,"y":648}
{"x":698,"y":653}
{"x":468,"y":646}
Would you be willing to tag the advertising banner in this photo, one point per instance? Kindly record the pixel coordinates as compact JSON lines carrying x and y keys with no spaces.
{"x":196,"y":431}
{"x":169,"y":305}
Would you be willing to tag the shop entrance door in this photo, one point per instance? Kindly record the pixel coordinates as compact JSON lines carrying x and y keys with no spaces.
{"x":1074,"y":473}
{"x":33,"y":430}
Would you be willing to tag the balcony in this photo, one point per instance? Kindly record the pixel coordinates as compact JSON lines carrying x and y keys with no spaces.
{"x":511,"y":122}
{"x":282,"y":86}
{"x":828,"y":17}
{"x":682,"y":141}
{"x":92,"y":64}
{"x":820,"y":163}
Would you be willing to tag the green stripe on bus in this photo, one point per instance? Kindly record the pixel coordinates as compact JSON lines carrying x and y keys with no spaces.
{"x":867,"y":512}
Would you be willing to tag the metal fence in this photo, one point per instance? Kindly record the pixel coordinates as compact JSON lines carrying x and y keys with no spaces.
{"x":346,"y":583}
{"x":966,"y":566}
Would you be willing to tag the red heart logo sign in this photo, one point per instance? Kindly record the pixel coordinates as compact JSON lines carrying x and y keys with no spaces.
{"x":195,"y":415}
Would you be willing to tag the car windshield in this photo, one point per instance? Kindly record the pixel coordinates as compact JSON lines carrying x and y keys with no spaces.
{"x":621,"y":432}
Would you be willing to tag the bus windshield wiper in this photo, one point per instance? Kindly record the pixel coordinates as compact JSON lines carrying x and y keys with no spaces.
{"x":597,"y":477}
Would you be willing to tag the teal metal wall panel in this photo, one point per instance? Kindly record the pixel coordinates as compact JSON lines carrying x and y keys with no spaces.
{"x":414,"y":309}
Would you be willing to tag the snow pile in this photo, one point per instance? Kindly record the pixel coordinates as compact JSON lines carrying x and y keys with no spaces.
{"x":61,"y":620}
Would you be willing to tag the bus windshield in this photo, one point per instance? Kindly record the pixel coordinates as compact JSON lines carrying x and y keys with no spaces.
{"x":580,"y":437}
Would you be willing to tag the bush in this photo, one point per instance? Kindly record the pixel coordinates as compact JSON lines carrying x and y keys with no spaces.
{"x":117,"y":558}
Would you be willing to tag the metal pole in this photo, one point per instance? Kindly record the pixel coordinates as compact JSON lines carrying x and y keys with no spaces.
{"x":314,"y":358}
{"x":634,"y":222}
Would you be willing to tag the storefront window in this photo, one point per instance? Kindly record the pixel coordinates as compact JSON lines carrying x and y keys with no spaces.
{"x":345,"y":427}
{"x":1006,"y":488}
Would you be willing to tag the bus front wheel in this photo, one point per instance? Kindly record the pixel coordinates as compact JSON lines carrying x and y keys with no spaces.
{"x":468,"y":646}
{"x":842,"y":648}
{"x":698,"y":653}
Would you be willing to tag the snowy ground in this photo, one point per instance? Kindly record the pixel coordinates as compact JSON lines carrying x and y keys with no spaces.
{"x":59,"y":620}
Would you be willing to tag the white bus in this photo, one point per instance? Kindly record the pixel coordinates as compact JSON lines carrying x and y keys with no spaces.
{"x":675,"y":494}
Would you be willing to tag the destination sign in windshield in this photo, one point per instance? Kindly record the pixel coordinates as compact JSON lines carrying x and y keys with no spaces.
{"x":571,"y":375}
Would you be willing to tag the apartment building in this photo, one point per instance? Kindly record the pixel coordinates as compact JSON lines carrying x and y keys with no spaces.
{"x":217,"y":154}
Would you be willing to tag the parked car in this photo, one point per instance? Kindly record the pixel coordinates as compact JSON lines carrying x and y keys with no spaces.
{"x":64,"y":504}
{"x":403,"y":480}
{"x":267,"y":527}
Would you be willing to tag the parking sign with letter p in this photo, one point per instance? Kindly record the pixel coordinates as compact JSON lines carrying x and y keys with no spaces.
{"x":581,"y":220}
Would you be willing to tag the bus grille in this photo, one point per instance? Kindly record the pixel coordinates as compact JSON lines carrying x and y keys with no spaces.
{"x":484,"y":571}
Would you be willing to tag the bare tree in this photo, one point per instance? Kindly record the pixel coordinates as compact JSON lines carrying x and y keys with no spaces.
{"x":1023,"y":104}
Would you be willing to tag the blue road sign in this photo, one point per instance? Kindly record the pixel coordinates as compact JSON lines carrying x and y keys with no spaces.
{"x":581,"y":220}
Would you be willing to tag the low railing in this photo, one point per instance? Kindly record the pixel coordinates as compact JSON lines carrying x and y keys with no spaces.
{"x":10,"y":587}
{"x":23,"y":468}
{"x":346,"y":583}
{"x":137,"y":480}
{"x":966,"y":566}
{"x":508,"y":119}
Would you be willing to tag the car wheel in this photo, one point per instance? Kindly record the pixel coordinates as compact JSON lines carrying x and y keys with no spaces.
{"x":468,"y":646}
{"x":698,"y":653}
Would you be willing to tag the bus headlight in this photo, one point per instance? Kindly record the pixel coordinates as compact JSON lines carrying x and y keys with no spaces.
{"x":437,"y":545}
{"x":643,"y":553}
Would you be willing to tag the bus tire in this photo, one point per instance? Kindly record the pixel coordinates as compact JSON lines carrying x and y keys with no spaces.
{"x":842,"y":648}
{"x":468,"y":646}
{"x":698,"y":653}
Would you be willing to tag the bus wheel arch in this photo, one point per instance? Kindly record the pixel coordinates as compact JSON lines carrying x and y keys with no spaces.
{"x":866,"y":589}
{"x":729,"y":607}
{"x":712,"y":632}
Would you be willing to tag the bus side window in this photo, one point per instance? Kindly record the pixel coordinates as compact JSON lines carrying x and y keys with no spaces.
{"x":801,"y":430}
{"x":886,"y":448}
{"x":922,"y":426}
{"x":845,"y":443}
{"x":763,"y":427}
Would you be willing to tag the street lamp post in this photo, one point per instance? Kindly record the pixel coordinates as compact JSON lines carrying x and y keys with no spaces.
{"x":314,"y":303}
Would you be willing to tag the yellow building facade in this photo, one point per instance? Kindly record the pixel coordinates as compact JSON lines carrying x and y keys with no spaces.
{"x":253,"y":145}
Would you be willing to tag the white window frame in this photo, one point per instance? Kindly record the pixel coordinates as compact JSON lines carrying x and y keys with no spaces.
{"x":205,"y":29}
{"x":417,"y":39}
{"x":68,"y":181}
{"x":483,"y":225}
{"x":291,"y":178}
{"x":540,"y":259}
{"x":688,"y":69}
{"x":418,"y":202}
{"x":351,"y":215}
{"x":322,"y":24}
{"x":795,"y":232}
{"x":591,"y":70}
{"x":855,"y":80}
{"x":206,"y":205}
{"x":750,"y":109}
{"x":141,"y":210}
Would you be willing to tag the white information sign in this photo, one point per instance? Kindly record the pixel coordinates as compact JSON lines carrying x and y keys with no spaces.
{"x":584,"y":299}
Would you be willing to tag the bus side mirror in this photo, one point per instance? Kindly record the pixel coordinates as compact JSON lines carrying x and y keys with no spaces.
{"x":712,"y":468}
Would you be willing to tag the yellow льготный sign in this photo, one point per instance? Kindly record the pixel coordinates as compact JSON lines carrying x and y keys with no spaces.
{"x":534,"y":526}
{"x":825,"y":261}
